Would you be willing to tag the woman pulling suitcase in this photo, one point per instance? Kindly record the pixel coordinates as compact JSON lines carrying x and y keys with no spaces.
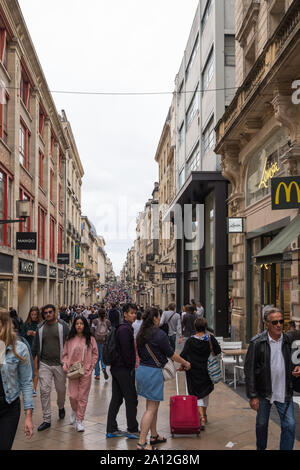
{"x":197,"y":351}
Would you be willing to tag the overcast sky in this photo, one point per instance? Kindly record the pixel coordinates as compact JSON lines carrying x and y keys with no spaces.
{"x":112,"y":46}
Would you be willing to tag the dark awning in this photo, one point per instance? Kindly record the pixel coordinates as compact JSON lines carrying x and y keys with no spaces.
{"x":273,"y":252}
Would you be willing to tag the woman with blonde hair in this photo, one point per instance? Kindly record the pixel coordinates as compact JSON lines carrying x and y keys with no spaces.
{"x":15,"y":377}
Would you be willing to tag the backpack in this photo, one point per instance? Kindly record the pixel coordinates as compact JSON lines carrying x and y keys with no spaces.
{"x":101,"y":330}
{"x":110,"y":353}
{"x":165,"y":326}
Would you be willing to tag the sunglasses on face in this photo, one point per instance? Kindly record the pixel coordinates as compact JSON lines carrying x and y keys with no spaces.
{"x":48,"y":312}
{"x":275,"y":322}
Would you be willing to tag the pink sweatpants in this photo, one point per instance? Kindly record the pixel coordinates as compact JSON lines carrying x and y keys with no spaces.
{"x":78,"y":391}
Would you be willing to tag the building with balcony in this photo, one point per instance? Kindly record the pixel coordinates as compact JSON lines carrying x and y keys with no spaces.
{"x":258,"y":138}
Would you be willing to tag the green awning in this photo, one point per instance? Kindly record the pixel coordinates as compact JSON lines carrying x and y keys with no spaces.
{"x":273,"y":252}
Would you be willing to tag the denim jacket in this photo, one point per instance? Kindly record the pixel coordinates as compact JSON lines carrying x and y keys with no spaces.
{"x":17,"y":375}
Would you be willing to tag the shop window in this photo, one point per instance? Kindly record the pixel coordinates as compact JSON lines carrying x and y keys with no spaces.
{"x":24,"y":146}
{"x":5,"y":208}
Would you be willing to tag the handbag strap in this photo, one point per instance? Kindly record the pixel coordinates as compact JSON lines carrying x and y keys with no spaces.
{"x":210,"y":346}
{"x":83,"y":354}
{"x":153,"y":356}
{"x":170,"y":317}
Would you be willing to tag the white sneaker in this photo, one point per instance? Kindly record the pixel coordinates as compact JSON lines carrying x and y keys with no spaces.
{"x":73,"y":417}
{"x":79,"y":426}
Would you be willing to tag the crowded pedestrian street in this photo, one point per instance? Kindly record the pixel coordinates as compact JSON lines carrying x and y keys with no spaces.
{"x":231,"y":425}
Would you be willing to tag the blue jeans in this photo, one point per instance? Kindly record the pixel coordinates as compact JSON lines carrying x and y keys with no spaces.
{"x":103,"y":366}
{"x":287,"y":424}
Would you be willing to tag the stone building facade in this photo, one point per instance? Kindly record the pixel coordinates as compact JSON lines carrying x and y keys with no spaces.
{"x":259,"y":139}
{"x":33,"y":150}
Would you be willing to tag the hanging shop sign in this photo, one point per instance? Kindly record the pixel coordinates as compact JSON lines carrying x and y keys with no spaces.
{"x":26,"y":241}
{"x":63,"y":258}
{"x":285,"y":193}
{"x":235,"y":225}
{"x":26,"y":267}
{"x":166,"y":276}
{"x":79,"y":265}
{"x":77,"y":251}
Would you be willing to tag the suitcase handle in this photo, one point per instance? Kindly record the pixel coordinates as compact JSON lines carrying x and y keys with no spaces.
{"x":177,"y":387}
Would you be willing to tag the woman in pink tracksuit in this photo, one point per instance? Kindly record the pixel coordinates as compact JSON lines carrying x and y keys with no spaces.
{"x":80,"y":340}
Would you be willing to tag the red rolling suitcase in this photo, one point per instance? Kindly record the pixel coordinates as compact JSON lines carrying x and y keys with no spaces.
{"x":184,"y":415}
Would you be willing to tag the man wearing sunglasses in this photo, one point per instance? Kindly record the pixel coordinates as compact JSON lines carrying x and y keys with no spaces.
{"x":47,"y":350}
{"x":268,"y":370}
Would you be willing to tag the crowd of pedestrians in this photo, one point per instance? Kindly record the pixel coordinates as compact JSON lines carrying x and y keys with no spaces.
{"x":65,"y":347}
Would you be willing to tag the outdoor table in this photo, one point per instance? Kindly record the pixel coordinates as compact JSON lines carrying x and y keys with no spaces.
{"x":234,"y":352}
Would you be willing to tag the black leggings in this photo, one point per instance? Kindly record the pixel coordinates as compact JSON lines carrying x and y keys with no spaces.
{"x":9,"y":420}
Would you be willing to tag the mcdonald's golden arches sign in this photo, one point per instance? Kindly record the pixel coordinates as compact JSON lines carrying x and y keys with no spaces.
{"x":285,"y":192}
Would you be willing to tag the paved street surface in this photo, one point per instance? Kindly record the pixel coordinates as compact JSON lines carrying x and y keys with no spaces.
{"x":230,"y":421}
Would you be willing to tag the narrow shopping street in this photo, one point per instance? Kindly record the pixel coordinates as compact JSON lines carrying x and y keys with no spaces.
{"x":231,"y":424}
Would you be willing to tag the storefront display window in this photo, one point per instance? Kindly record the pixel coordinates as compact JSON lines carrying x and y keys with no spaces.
{"x":264,"y":165}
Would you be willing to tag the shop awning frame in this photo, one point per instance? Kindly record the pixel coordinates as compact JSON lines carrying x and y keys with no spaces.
{"x":273,"y":252}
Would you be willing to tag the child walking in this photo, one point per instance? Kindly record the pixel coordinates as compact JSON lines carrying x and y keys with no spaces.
{"x":80,"y":344}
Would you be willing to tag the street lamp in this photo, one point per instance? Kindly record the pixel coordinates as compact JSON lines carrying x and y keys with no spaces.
{"x":22,"y":212}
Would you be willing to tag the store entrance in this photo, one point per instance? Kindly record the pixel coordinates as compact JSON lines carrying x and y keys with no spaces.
{"x":276,"y":288}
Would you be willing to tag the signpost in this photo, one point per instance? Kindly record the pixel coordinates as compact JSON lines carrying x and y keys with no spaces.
{"x":166,"y":276}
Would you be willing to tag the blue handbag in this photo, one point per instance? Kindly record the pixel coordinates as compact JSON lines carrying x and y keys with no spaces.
{"x":213,"y":366}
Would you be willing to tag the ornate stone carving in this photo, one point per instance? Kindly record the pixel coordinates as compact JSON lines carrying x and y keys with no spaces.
{"x":286,"y":114}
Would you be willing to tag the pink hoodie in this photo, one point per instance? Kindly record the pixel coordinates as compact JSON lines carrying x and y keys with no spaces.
{"x":73,"y":353}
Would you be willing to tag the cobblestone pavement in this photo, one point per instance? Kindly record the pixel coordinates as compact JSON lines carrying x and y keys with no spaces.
{"x":231,"y":421}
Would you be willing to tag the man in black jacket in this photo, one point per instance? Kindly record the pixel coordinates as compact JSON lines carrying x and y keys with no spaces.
{"x":123,"y":379}
{"x":268,"y":371}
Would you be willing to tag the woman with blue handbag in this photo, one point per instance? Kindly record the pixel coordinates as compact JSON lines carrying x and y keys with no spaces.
{"x":197,"y":350}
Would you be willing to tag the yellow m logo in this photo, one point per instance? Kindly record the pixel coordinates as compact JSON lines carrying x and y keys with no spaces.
{"x":287,"y":191}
